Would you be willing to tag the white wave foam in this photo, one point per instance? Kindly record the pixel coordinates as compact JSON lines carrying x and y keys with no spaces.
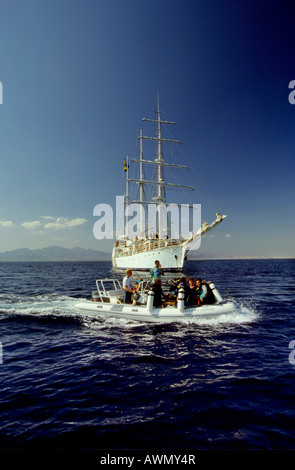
{"x":60,"y":305}
{"x":41,"y":305}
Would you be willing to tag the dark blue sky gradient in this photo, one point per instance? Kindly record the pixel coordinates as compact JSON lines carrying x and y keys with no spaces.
{"x":77,"y":78}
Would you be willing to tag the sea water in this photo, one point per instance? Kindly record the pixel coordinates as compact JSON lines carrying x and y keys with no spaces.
{"x":71,"y":382}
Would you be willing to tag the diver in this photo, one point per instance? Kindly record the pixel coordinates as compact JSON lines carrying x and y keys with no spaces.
{"x":191,"y":294}
{"x":204,"y":292}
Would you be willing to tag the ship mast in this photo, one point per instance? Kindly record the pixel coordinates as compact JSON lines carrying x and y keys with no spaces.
{"x":141,"y":185}
{"x":161,"y":194}
{"x":159,"y":161}
{"x":159,"y":182}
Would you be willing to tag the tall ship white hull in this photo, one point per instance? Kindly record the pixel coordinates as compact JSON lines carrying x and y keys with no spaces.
{"x":171,"y":258}
{"x":141,"y":251}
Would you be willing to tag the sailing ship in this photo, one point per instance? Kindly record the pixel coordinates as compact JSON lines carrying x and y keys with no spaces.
{"x":140,"y":252}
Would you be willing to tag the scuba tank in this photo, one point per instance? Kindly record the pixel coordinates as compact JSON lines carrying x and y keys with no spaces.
{"x":215,"y":292}
{"x":150,"y":301}
{"x":180,"y":300}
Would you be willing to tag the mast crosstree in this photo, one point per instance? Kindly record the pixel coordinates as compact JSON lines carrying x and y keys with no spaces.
{"x":159,"y":182}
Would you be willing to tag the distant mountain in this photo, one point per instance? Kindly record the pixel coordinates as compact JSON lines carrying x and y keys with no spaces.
{"x":55,"y":253}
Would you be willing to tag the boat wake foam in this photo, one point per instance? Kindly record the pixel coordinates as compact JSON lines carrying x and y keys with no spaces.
{"x":60,"y":306}
{"x":36,"y":306}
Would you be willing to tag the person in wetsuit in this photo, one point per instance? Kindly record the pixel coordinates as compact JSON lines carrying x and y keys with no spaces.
{"x":159,"y":295}
{"x":191,"y":295}
{"x":204,"y":292}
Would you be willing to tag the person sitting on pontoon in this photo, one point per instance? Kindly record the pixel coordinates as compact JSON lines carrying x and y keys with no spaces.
{"x":205,"y":294}
{"x":128,"y":290}
{"x":191,"y":295}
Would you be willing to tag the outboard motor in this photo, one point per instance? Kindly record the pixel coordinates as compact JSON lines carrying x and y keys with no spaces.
{"x":150,"y":301}
{"x":180,"y":300}
{"x":215,"y":292}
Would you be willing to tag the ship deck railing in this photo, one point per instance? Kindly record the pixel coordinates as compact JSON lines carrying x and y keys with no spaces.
{"x":140,"y":246}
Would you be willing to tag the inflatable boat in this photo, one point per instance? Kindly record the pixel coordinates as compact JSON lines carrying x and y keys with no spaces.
{"x":109,"y":302}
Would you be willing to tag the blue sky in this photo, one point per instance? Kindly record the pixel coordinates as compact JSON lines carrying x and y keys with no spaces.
{"x":77,"y":78}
